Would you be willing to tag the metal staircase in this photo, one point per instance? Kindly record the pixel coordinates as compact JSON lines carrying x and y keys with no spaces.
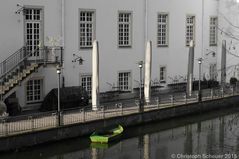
{"x":22,"y":63}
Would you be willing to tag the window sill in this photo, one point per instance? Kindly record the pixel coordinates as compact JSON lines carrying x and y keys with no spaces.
{"x":34,"y":102}
{"x":86,"y":48}
{"x":163,"y":46}
{"x":213,"y":45}
{"x":125,"y":47}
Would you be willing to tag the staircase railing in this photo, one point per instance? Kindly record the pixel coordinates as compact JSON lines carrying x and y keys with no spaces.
{"x":12,"y":62}
{"x":21,"y":58}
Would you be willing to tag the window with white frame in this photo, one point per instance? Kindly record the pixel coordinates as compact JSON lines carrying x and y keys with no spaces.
{"x":162,"y":38}
{"x":213,"y":31}
{"x":162,"y":75}
{"x":33,"y":29}
{"x":124,"y":80}
{"x":190,"y":29}
{"x":34,"y":90}
{"x":213,"y":71}
{"x":87,"y":26}
{"x":124,"y":29}
{"x":86,"y":83}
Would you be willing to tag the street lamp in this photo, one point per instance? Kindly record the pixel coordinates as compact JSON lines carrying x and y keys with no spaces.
{"x":199,"y":80}
{"x":58,"y":71}
{"x":140,"y":65}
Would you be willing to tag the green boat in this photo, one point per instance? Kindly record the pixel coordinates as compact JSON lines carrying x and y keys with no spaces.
{"x":107,"y":134}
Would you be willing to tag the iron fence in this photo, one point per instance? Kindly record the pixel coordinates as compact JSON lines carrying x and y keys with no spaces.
{"x":42,"y":121}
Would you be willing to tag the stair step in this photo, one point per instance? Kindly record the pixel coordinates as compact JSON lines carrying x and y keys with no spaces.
{"x":17,"y":77}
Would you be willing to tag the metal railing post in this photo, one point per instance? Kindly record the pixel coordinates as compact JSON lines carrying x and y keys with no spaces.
{"x":83,"y":114}
{"x":197,"y":96}
{"x":172,"y":100}
{"x":222,"y":92}
{"x":157,"y":101}
{"x":185,"y":98}
{"x":236,"y":88}
{"x":32,"y":122}
{"x":103,"y":108}
{"x":6,"y":127}
{"x":212,"y":93}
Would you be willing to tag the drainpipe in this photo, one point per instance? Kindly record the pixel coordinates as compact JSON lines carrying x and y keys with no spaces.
{"x":146,"y":22}
{"x":63,"y":38}
{"x":63,"y":22}
{"x":202,"y":53}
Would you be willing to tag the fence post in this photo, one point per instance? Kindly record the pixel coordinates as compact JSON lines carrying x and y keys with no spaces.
{"x":6,"y":127}
{"x":56,"y":119}
{"x":222,"y":92}
{"x":122,"y":111}
{"x":32,"y":122}
{"x":236,"y":88}
{"x":103,"y":108}
{"x":61,"y":119}
{"x":171,"y":98}
{"x":185,"y":97}
{"x":212,"y":93}
{"x":197,"y":97}
{"x":232,"y":90}
{"x":83,"y":110}
{"x":157,"y":100}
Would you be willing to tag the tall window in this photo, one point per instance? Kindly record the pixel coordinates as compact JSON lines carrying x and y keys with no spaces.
{"x":33,"y":21}
{"x":162,"y":29}
{"x":87,"y":26}
{"x":213,"y":71}
{"x":125,"y":29}
{"x":124,"y":79}
{"x":163,"y":75}
{"x":86,"y":83}
{"x":34,"y":90}
{"x":190,"y":29}
{"x":213,"y":31}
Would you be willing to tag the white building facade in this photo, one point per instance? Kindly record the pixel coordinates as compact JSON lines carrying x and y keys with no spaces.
{"x":122,"y":29}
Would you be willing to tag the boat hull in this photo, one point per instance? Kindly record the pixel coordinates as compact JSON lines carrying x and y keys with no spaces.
{"x":97,"y":137}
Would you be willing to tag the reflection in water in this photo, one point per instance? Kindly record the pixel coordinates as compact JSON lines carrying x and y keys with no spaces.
{"x":146,"y":146}
{"x":211,"y":133}
{"x":94,"y":153}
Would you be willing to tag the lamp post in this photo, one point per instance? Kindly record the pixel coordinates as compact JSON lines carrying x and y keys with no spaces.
{"x":140,"y":65}
{"x":199,"y":80}
{"x":58,"y":71}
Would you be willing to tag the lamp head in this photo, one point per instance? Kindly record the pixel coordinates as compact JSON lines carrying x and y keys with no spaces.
{"x":140,"y":64}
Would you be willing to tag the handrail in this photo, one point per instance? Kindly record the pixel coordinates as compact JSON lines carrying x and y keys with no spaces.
{"x":14,"y":61}
{"x":19,"y":58}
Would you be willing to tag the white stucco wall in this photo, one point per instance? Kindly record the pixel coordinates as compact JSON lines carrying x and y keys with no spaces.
{"x":112,"y":58}
{"x":12,"y":37}
{"x":229,"y":24}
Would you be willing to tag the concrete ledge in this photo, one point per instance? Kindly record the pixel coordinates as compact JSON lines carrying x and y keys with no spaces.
{"x":72,"y":131}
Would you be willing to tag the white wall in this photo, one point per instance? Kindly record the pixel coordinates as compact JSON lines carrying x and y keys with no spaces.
{"x":229,"y":13}
{"x":114,"y":59}
{"x":12,"y":37}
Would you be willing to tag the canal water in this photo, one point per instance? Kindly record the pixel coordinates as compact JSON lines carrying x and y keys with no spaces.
{"x":209,"y":135}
